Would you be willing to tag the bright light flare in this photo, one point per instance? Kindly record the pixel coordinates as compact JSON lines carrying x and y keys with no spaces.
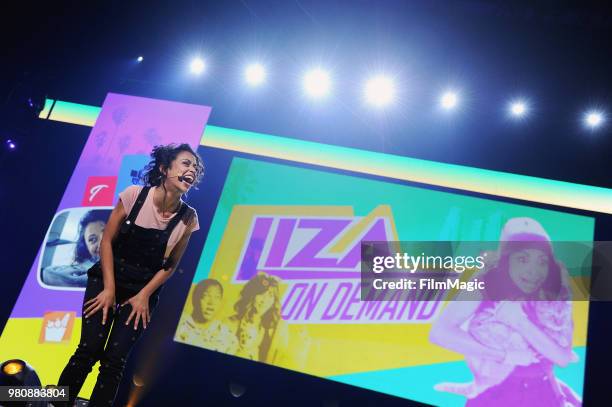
{"x":379,"y":91}
{"x":255,"y":74}
{"x":197,"y":66}
{"x":449,"y":100}
{"x":317,"y":83}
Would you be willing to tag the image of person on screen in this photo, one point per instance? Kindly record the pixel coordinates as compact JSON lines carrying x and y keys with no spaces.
{"x":202,"y":327}
{"x":518,"y":330}
{"x":86,"y":253}
{"x":143,"y":242}
{"x":257,"y":325}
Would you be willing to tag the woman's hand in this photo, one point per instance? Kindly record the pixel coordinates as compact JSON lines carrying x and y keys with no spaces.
{"x":104,"y":300}
{"x":511,"y":313}
{"x":140,"y":309}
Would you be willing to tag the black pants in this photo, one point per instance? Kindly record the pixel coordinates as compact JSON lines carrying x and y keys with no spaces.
{"x":93,"y":346}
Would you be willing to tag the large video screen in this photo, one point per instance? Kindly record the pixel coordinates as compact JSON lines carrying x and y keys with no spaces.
{"x":278,"y":280}
{"x":276,"y":274}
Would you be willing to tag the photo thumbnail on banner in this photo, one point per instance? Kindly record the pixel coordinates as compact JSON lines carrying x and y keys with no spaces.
{"x":72,"y":246}
{"x":279,"y":281}
{"x":44,"y":326}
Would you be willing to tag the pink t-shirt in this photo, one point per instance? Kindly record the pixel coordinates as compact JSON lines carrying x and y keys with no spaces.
{"x":149,"y":218}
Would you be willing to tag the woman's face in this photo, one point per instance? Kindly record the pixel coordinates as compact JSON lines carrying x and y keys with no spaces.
{"x":263,"y":302}
{"x":528,"y":269}
{"x":93,"y":235}
{"x":186,"y":166}
{"x":210,"y":302}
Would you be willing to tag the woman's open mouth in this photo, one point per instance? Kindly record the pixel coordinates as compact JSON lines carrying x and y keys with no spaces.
{"x":188,"y":179}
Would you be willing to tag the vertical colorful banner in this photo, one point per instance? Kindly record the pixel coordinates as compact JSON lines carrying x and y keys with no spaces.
{"x":48,"y":310}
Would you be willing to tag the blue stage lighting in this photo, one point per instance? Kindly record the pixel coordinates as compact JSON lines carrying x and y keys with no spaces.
{"x":594,"y":119}
{"x":518,"y":108}
{"x":379,"y":91}
{"x":255,"y":74}
{"x":197,"y":66}
{"x":449,"y":100}
{"x":317,"y":83}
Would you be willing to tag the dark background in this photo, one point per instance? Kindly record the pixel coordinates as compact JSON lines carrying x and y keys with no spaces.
{"x":556,"y":53}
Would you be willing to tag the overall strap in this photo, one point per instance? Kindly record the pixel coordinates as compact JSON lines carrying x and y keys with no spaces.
{"x":167,"y":263}
{"x":142,"y":196}
{"x":175,"y":220}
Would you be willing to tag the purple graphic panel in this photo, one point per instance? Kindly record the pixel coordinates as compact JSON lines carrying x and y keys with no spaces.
{"x":127,"y":125}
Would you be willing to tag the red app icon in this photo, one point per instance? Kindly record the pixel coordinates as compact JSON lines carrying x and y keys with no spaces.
{"x":99,"y":191}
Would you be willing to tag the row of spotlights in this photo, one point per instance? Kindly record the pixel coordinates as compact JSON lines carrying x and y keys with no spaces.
{"x":379,"y":91}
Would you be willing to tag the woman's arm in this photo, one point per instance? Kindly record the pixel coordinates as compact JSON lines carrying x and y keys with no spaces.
{"x":71,"y":275}
{"x":513,"y":315}
{"x":542,"y":343}
{"x":106,"y":298}
{"x":446,"y":332}
{"x":173,"y":260}
{"x":111,"y":230}
{"x":279,"y":347}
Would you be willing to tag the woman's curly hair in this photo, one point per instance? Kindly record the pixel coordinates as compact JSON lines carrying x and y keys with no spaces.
{"x":245,"y":308}
{"x":162,"y":156}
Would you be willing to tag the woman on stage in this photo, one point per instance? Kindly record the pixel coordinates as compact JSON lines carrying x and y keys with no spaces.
{"x":143,"y":242}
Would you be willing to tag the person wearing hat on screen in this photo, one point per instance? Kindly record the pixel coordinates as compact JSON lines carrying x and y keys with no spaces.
{"x":518,"y":330}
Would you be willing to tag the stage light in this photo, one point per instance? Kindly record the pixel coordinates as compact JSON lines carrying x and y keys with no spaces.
{"x":449,"y":100}
{"x":36,"y":102}
{"x":237,"y":389}
{"x":140,"y":58}
{"x":255,"y":74}
{"x":317,"y":83}
{"x":138,"y":380}
{"x":12,"y":367}
{"x":11,"y":144}
{"x":379,"y":91}
{"x":594,"y":119}
{"x":518,"y":108}
{"x":16,"y":372}
{"x":197,"y":66}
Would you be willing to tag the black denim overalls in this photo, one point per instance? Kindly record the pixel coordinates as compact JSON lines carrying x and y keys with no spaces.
{"x":138,"y":255}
